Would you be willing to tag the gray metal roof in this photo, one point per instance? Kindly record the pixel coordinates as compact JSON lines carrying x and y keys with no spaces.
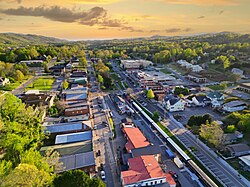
{"x":73,"y":137}
{"x":77,"y":161}
{"x":80,"y":96}
{"x":63,"y":127}
{"x":69,"y":149}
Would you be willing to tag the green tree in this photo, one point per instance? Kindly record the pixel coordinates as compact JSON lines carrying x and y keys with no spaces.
{"x":150,"y":94}
{"x":27,"y":175}
{"x":65,"y":84}
{"x":156,"y":116}
{"x":19,"y":75}
{"x":76,"y":178}
{"x":100,"y":79}
{"x":230,"y":128}
{"x":212,"y":132}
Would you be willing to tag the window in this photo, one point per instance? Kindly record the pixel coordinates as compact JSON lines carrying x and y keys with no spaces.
{"x":160,"y":181}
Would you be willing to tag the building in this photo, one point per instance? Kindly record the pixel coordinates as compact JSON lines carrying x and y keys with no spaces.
{"x":58,"y":69}
{"x":33,"y":63}
{"x":73,"y":137}
{"x":135,"y":139}
{"x":245,"y":162}
{"x":245,"y":87}
{"x":75,"y":111}
{"x":4,"y":81}
{"x":196,"y":78}
{"x":69,"y":149}
{"x":234,"y":106}
{"x":174,"y":104}
{"x":37,"y":99}
{"x":135,"y":64}
{"x":143,"y":171}
{"x":229,"y":138}
{"x":201,"y":100}
{"x":216,"y":98}
{"x":148,"y":150}
{"x":196,"y":68}
{"x":82,"y":161}
{"x":64,"y":128}
{"x":238,"y":71}
{"x":237,"y":150}
{"x":75,"y":94}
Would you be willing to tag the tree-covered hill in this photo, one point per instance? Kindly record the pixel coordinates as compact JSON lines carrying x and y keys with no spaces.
{"x":28,"y":39}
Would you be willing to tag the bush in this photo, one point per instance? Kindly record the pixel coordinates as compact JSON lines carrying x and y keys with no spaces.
{"x":103,"y":87}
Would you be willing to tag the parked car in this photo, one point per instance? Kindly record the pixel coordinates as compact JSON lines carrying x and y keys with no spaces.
{"x":103,"y":175}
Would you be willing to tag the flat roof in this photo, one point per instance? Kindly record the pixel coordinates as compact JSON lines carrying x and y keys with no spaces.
{"x":79,"y":96}
{"x":73,"y":137}
{"x":77,"y":108}
{"x":63,"y":127}
{"x":135,"y":138}
{"x":77,"y":161}
{"x":69,"y":149}
{"x":142,"y":168}
{"x":245,"y":159}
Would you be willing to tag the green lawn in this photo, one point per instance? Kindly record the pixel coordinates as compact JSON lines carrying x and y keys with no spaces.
{"x":41,"y":84}
{"x":175,"y":67}
{"x":218,"y":87}
{"x":12,"y":86}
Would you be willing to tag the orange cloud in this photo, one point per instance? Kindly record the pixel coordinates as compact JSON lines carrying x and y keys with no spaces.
{"x":202,"y":2}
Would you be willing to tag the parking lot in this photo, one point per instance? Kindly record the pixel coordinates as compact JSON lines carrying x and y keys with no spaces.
{"x":188,"y":112}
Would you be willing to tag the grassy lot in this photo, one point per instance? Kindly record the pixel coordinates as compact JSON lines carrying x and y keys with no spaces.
{"x":177,"y":68}
{"x":116,"y":78}
{"x":218,"y":87}
{"x":41,"y":84}
{"x":12,"y":86}
{"x":165,"y":71}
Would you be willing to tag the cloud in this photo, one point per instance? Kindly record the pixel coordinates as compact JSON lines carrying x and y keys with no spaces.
{"x":94,"y":16}
{"x":202,"y":2}
{"x":201,"y":17}
{"x":56,"y":13}
{"x":170,"y":30}
{"x":11,"y":1}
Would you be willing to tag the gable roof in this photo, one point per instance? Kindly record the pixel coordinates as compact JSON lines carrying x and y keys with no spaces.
{"x":234,"y":104}
{"x":135,"y":138}
{"x":202,"y":98}
{"x":142,"y":168}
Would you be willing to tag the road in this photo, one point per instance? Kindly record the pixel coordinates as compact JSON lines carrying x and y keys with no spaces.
{"x":101,"y":137}
{"x":218,"y":167}
{"x":21,"y":88}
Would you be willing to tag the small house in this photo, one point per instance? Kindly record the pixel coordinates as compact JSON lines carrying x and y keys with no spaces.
{"x":236,"y":150}
{"x":234,"y":106}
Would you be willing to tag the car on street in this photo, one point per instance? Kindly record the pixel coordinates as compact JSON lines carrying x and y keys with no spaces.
{"x":103,"y":177}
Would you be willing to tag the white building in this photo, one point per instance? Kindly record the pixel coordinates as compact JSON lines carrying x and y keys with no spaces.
{"x":238,"y":71}
{"x":135,"y":64}
{"x":234,"y":106}
{"x":196,"y":68}
{"x":175,"y":104}
{"x":4,"y":81}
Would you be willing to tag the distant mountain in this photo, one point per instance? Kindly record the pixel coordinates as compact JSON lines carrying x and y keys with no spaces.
{"x":27,"y":39}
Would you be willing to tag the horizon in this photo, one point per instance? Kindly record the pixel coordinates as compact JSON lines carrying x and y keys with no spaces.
{"x":122,"y":19}
{"x":125,"y":38}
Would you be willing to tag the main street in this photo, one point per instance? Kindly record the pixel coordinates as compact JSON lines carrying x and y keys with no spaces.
{"x":101,"y":136}
{"x":217,"y":166}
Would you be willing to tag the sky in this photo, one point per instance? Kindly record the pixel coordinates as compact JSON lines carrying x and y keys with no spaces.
{"x":106,"y":19}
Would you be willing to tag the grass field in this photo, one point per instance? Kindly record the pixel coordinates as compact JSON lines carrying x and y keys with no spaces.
{"x":12,"y":86}
{"x":41,"y":84}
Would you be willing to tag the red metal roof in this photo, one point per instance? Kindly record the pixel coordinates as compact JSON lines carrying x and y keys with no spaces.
{"x":135,"y":138}
{"x":142,"y":168}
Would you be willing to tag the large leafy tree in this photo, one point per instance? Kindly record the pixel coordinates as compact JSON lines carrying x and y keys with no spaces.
{"x":150,"y":94}
{"x":20,"y":137}
{"x":76,"y":178}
